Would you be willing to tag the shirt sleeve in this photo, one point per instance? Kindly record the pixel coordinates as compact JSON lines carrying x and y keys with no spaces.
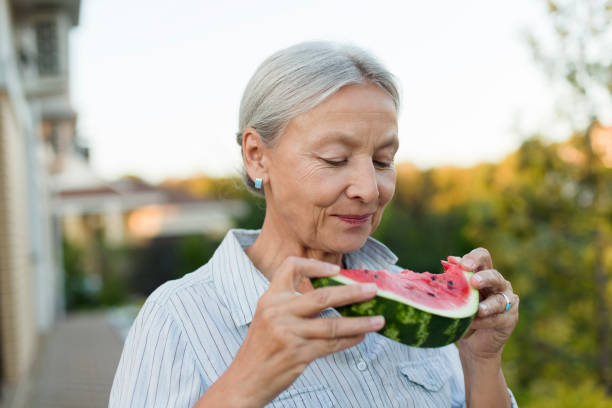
{"x":157,"y":367}
{"x":457,"y":385}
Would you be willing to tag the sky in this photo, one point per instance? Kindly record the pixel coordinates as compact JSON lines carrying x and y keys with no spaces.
{"x":157,"y":84}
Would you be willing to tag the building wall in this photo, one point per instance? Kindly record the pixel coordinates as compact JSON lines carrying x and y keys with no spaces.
{"x":17,"y":319}
{"x":31,"y":279}
{"x":47,"y":264}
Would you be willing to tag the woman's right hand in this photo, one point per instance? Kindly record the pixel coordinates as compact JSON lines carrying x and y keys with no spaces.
{"x":284,"y":337}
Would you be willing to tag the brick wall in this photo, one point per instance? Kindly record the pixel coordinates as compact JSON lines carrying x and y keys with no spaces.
{"x":18,"y":338}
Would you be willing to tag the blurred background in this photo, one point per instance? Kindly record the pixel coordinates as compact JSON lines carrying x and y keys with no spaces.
{"x":119,"y":168}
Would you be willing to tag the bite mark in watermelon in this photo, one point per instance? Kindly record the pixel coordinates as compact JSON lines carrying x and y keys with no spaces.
{"x":420,"y":309}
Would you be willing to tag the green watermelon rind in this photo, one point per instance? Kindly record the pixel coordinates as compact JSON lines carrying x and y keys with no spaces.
{"x":407,"y":322}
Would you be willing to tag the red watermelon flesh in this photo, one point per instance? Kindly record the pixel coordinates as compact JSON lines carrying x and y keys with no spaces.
{"x":448,"y":290}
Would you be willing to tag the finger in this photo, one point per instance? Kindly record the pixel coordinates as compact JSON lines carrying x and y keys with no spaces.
{"x":323,"y":347}
{"x":333,"y":327}
{"x":315,"y":301}
{"x":477,"y":260}
{"x":456,"y":260}
{"x":490,"y":278}
{"x":294,"y":269}
{"x":496,"y":303}
{"x":499,"y":320}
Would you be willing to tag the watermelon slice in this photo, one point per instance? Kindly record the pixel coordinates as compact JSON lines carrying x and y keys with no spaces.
{"x":420,"y":309}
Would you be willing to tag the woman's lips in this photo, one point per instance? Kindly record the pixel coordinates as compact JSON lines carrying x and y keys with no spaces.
{"x":355,"y":219}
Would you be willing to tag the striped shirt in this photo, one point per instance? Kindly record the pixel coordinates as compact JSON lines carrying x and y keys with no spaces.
{"x":189,"y":330}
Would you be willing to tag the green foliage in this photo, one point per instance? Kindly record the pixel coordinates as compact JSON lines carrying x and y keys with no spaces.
{"x":193,"y":252}
{"x":114,"y":289}
{"x":564,"y":395}
{"x":542,"y":239}
{"x":578,"y":56}
{"x":553,"y":224}
{"x":86,"y":289}
{"x":78,"y":293}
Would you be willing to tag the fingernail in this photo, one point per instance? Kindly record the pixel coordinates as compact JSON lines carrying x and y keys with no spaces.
{"x":477,"y":278}
{"x":369,"y":288}
{"x":469,"y":263}
{"x":334,"y":268}
{"x":483,"y":309}
{"x":377,"y":321}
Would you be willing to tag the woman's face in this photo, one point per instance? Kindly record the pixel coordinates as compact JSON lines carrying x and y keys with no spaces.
{"x":331,"y":173}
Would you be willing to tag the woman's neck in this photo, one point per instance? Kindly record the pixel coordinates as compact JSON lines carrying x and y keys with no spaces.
{"x":275,"y":243}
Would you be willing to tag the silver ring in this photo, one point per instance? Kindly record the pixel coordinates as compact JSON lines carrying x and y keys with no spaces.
{"x":508,"y":304}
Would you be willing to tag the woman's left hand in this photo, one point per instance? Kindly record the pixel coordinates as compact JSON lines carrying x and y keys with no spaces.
{"x":493,"y":324}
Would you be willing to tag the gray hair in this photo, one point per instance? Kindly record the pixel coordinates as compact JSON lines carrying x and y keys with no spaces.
{"x":296,"y":79}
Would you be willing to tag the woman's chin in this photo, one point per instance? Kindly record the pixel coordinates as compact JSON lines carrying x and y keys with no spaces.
{"x":349,"y":241}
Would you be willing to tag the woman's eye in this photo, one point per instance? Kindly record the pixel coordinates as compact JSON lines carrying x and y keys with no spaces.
{"x":377,"y":163}
{"x":381,"y":164}
{"x":335,"y":162}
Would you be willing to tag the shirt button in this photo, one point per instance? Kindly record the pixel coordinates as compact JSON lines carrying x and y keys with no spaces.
{"x":361,"y":365}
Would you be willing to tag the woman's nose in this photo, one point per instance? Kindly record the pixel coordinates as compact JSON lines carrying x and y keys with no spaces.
{"x":364,"y":184}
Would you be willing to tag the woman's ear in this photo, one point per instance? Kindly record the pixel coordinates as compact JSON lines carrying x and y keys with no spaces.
{"x":253,"y":154}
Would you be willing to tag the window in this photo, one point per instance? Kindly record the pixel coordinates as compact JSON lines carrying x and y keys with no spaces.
{"x":47,"y":46}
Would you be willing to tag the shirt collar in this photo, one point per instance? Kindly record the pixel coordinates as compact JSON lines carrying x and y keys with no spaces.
{"x":240,"y":284}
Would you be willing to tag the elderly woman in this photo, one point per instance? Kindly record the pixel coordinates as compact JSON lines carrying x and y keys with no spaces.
{"x":318,"y":131}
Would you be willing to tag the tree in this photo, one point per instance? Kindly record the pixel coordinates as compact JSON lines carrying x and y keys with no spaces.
{"x":581,"y":56}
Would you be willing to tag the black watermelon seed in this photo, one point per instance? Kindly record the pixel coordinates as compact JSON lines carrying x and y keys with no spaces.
{"x":376,"y":276}
{"x":450,"y":282}
{"x":433,"y":278}
{"x":431,"y":294}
